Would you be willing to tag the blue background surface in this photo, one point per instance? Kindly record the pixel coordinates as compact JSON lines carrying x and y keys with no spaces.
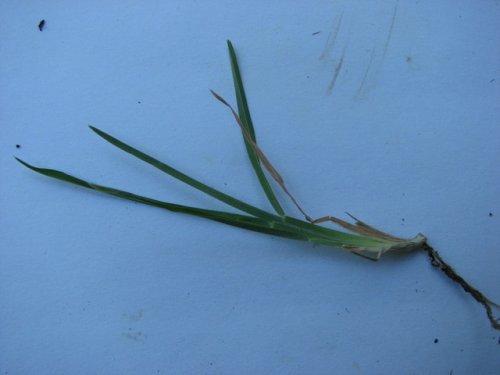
{"x":388,"y":110}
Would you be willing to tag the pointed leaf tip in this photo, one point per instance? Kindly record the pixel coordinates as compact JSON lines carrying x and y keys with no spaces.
{"x":19,"y":160}
{"x":23,"y":163}
{"x":219,"y":98}
{"x":94,"y":129}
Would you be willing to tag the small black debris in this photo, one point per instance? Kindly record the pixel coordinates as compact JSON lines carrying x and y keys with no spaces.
{"x":316,"y":33}
{"x":436,"y":341}
{"x":490,"y":214}
{"x":18,"y":146}
{"x":41,"y":25}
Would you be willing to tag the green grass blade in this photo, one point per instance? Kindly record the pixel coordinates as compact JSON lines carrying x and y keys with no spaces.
{"x":290,"y":228}
{"x":237,"y":220}
{"x":332,"y":237}
{"x":241,"y":97}
{"x":244,"y":114}
{"x":236,"y":203}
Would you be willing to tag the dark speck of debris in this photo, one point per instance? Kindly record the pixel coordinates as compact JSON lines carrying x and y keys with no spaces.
{"x":492,"y":80}
{"x":19,"y":146}
{"x":138,"y":102}
{"x":408,"y":59}
{"x":403,"y":219}
{"x":436,"y":341}
{"x":490,"y":214}
{"x":316,"y":33}
{"x":41,"y":25}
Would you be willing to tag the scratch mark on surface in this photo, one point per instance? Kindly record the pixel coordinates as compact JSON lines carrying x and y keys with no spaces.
{"x":135,"y":336}
{"x":338,"y":67}
{"x":134,"y":316}
{"x":332,"y":37}
{"x":363,"y":81}
{"x":391,"y":28}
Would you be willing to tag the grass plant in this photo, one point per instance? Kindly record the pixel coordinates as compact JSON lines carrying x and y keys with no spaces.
{"x":357,"y":237}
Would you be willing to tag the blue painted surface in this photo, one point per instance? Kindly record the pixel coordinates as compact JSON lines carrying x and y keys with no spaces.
{"x":388,"y":110}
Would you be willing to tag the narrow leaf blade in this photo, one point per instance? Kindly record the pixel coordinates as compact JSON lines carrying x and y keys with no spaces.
{"x":244,"y":114}
{"x":236,"y":203}
{"x":242,"y":221}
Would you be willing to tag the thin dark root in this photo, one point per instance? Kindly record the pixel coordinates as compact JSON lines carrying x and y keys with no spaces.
{"x":437,"y":261}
